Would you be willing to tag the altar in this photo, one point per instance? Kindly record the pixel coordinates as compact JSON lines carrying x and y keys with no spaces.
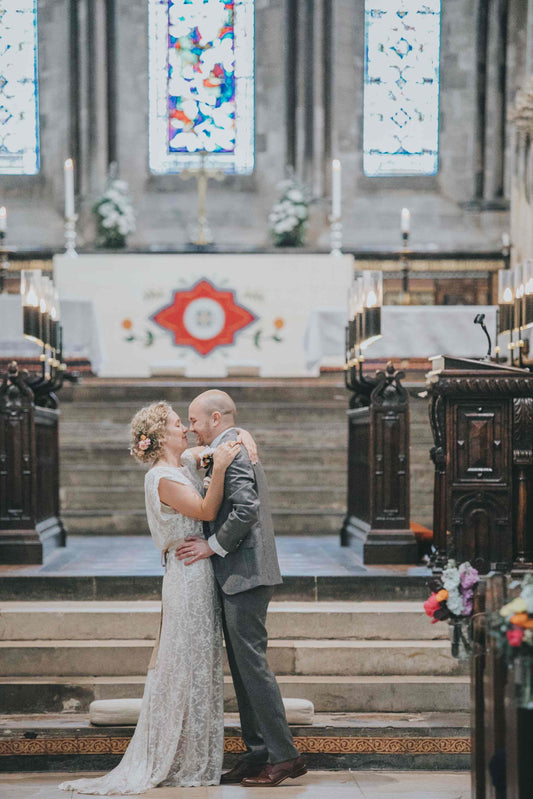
{"x":205,"y":314}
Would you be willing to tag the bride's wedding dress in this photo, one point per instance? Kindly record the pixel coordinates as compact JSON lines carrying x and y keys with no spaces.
{"x":179,"y":737}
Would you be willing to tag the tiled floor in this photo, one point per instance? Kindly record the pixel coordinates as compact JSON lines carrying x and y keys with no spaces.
{"x":136,"y":555}
{"x":315,"y":785}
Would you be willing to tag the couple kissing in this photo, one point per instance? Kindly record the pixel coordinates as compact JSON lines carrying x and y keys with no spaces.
{"x":208,"y":513}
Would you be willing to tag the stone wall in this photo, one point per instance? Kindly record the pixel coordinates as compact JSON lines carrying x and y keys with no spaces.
{"x":238,"y":207}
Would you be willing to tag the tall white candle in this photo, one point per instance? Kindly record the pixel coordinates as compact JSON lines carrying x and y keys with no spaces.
{"x":69,"y":189}
{"x":406,"y":220}
{"x":336,"y":190}
{"x":3,"y":219}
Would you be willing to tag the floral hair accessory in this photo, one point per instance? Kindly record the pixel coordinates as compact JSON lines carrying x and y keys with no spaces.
{"x":143,"y":444}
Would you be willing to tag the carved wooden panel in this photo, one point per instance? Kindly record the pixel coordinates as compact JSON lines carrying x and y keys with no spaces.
{"x":359,"y":464}
{"x":391,"y":470}
{"x":480,"y":529}
{"x":481,"y":442}
{"x":17,"y":496}
{"x":46,"y":446}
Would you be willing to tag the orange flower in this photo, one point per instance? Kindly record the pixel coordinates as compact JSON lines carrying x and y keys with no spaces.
{"x":279,"y":323}
{"x":522,"y":620}
{"x":442,"y":595}
{"x":127,"y":324}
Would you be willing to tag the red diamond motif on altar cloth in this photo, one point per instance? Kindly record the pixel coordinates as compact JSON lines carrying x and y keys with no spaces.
{"x":204,"y":317}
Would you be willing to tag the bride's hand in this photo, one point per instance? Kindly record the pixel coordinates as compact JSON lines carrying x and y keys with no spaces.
{"x":245,"y":438}
{"x":226,"y":454}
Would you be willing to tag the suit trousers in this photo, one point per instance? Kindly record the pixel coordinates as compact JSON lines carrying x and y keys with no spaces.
{"x":265,"y":731}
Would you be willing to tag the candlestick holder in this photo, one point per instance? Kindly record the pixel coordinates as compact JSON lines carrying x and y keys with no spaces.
{"x":335,"y":235}
{"x":405,"y":297}
{"x":70,"y":236}
{"x":4,"y":263}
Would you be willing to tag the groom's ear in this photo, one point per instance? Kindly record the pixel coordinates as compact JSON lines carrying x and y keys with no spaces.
{"x":216,"y":417}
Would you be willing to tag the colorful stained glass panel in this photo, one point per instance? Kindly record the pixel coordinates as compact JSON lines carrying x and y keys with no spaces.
{"x":201,"y":84}
{"x":401,"y":95}
{"x":19,"y":111}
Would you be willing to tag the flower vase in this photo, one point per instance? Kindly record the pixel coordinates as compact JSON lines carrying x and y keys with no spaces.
{"x":523,"y":680}
{"x":460,"y":638}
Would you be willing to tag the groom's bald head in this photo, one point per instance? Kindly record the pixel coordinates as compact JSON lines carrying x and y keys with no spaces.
{"x":210,"y":413}
{"x":214,"y":401}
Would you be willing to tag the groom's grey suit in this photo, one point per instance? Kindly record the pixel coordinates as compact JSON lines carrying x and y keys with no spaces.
{"x":246,"y":576}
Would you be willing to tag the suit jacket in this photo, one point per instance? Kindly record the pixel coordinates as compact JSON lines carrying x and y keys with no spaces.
{"x":243,"y":527}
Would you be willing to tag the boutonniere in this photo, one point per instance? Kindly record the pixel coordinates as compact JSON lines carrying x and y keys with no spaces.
{"x":206,"y":458}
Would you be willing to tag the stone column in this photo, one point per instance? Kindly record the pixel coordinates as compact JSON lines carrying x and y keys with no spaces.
{"x":92,"y":93}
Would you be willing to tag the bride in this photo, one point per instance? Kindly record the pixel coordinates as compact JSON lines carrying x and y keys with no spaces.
{"x":179,"y":737}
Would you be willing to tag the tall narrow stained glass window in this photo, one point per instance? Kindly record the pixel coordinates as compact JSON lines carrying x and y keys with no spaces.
{"x":401,"y":94}
{"x":201,"y":85}
{"x":19,"y":108}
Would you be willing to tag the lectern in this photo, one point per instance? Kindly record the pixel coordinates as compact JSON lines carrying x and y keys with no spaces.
{"x":481,"y":417}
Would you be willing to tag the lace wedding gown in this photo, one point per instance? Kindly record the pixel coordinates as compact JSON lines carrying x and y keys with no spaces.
{"x":179,"y":737}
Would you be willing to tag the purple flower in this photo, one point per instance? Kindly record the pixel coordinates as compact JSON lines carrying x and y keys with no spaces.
{"x":468,"y":576}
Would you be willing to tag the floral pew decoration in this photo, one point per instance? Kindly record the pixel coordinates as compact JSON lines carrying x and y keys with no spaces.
{"x":452,"y":600}
{"x":512,"y":627}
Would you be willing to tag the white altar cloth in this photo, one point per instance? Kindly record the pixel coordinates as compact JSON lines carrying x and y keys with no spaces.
{"x":205,"y":314}
{"x":409,"y":331}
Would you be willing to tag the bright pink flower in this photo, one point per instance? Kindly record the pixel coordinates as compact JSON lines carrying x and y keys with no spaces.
{"x":515,"y":636}
{"x":431,"y":604}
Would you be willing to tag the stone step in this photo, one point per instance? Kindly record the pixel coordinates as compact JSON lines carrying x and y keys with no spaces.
{"x":93,"y":581}
{"x":394,"y":693}
{"x":332,"y":435}
{"x":120,"y":657}
{"x":277,"y":412}
{"x":117,"y":497}
{"x":109,"y":456}
{"x":181,"y":393}
{"x":133,"y":522}
{"x":132,"y":476}
{"x":333,"y":741}
{"x":29,"y":621}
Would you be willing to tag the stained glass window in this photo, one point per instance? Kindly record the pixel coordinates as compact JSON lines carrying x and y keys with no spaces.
{"x":19,"y":112}
{"x":201,"y":84}
{"x":401,"y":95}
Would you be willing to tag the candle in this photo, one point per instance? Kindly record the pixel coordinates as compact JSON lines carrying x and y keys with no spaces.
{"x":506,"y":240}
{"x":69,"y":189}
{"x":3,"y":219}
{"x":336,"y":189}
{"x":406,"y":220}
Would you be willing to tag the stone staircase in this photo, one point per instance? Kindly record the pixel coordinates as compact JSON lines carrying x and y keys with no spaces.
{"x":344,"y":656}
{"x":300,"y":428}
{"x":386,"y":690}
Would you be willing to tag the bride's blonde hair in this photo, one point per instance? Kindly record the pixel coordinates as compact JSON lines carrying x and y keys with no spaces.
{"x":148,"y":428}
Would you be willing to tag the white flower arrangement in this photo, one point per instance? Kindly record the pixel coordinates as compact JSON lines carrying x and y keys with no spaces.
{"x":114,"y":214}
{"x":289,"y":216}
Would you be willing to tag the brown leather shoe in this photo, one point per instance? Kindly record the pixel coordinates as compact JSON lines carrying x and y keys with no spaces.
{"x":240,"y":771}
{"x":274,"y":774}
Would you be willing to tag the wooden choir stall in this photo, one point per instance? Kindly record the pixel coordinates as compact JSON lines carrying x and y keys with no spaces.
{"x":481,"y":417}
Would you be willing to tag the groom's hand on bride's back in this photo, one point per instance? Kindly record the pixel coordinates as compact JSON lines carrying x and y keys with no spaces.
{"x":193,"y":549}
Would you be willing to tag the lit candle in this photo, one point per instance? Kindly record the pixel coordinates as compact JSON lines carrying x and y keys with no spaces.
{"x":3,"y":219}
{"x":69,"y":189}
{"x":336,"y":191}
{"x":406,"y":220}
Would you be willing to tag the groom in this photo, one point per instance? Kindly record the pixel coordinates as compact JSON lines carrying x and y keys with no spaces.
{"x":245,"y":563}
